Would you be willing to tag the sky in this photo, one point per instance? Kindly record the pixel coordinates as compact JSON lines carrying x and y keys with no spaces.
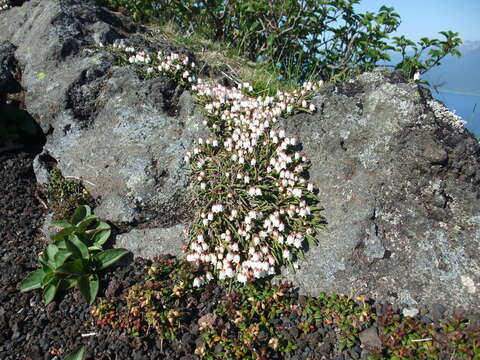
{"x":422,"y":18}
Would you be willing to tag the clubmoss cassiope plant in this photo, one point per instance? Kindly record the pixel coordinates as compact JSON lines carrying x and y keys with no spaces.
{"x":75,"y":258}
{"x":256,"y":210}
{"x":4,"y":5}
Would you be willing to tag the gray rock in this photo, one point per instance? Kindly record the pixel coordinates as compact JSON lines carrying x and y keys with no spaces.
{"x":410,"y":312}
{"x":149,"y":243}
{"x":398,"y":178}
{"x":369,"y":338}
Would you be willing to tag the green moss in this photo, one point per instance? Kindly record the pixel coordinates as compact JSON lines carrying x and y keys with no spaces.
{"x":64,"y":195}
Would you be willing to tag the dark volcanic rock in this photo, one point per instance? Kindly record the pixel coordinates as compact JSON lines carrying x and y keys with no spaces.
{"x":398,"y":177}
{"x":8,"y":69}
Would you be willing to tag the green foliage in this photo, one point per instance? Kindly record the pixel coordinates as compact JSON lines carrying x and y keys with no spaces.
{"x":407,"y":338}
{"x":162,"y":303}
{"x":64,"y":195}
{"x":77,"y":354}
{"x":322,"y":39}
{"x":246,"y":324}
{"x":437,"y":50}
{"x":75,"y":257}
{"x":342,"y":312}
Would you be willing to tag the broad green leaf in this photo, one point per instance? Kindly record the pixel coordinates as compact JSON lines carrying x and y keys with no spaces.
{"x":82,"y":225}
{"x":77,"y":354}
{"x":48,"y":278}
{"x":52,"y":250}
{"x":61,"y":244}
{"x":61,"y":257}
{"x":73,"y":239}
{"x":62,"y":224}
{"x":89,"y":287}
{"x":101,"y":237}
{"x":62,"y":234}
{"x":66,"y":284}
{"x":80,"y":213}
{"x":76,"y":267}
{"x":50,"y":292}
{"x":32,"y":281}
{"x":109,"y":257}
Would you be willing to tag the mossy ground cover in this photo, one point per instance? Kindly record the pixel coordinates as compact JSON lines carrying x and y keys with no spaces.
{"x":266,"y":321}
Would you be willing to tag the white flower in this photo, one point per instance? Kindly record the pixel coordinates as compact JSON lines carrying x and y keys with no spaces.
{"x":297,"y":192}
{"x":287,"y":255}
{"x":197,"y":282}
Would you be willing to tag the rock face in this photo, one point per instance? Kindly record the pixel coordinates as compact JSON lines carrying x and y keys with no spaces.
{"x":8,"y":66}
{"x":122,"y":135}
{"x":399,"y":179}
{"x":397,"y":175}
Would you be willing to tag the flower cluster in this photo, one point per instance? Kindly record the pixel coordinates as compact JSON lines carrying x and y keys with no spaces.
{"x":256,"y":209}
{"x":175,"y":65}
{"x":4,"y":5}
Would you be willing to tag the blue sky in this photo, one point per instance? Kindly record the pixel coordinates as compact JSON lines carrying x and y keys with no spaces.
{"x":427,"y":17}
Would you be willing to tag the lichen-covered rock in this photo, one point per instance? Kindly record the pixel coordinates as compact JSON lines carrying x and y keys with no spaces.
{"x":399,"y":178}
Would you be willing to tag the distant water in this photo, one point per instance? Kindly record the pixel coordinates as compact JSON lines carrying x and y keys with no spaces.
{"x":465,"y":106}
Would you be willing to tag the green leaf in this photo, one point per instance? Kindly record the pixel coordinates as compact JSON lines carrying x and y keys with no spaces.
{"x":80,"y":213}
{"x":79,"y":245}
{"x":101,"y":237}
{"x":48,"y":278}
{"x":62,"y":224}
{"x":77,"y":354}
{"x":32,"y":281}
{"x":109,"y":257}
{"x":52,"y":250}
{"x":82,"y":225}
{"x":61,"y":257}
{"x":89,"y":287}
{"x":76,"y":267}
{"x":50,"y":292}
{"x":66,"y":284}
{"x":62,"y":234}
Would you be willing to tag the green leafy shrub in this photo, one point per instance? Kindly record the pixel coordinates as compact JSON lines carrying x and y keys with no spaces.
{"x":437,"y":50}
{"x":325,"y":39}
{"x":75,"y":258}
